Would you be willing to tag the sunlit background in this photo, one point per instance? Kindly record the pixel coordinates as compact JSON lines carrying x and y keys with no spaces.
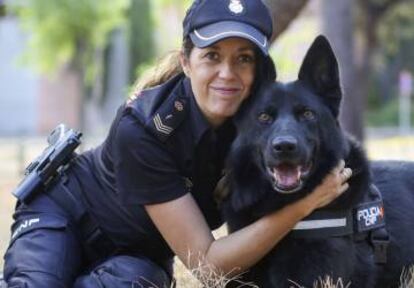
{"x":74,"y":62}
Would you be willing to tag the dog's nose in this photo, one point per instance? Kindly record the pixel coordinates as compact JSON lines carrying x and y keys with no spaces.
{"x":284,"y":144}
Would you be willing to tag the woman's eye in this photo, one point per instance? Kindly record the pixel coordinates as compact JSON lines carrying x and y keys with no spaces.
{"x":265,"y":118}
{"x":308,"y":114}
{"x":246,"y":59}
{"x":212,"y":56}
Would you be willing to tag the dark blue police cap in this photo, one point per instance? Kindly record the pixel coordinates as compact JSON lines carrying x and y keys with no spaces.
{"x":208,"y":21}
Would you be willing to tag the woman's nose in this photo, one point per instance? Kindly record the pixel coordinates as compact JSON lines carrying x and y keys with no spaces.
{"x":227,"y":71}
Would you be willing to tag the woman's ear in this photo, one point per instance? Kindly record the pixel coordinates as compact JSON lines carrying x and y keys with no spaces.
{"x":184,"y":64}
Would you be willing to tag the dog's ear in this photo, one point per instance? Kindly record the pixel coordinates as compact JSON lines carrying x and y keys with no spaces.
{"x":320,"y":70}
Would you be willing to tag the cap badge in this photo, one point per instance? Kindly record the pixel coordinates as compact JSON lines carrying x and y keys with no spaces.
{"x":236,"y":6}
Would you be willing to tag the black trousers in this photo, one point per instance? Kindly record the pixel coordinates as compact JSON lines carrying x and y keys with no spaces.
{"x":47,"y":250}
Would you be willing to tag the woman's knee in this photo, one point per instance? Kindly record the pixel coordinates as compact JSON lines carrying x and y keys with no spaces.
{"x":29,"y":279}
{"x":125,"y":271}
{"x":43,"y":249}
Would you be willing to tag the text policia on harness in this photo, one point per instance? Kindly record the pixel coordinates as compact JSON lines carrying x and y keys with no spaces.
{"x":365,"y":222}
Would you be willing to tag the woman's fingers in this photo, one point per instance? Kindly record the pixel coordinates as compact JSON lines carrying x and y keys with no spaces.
{"x":342,"y":172}
{"x":345,"y":174}
{"x":343,"y":188}
{"x":334,"y":184}
{"x":332,"y":195}
{"x":339,"y":167}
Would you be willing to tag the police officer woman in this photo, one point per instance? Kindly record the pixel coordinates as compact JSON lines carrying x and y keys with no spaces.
{"x":122,"y":211}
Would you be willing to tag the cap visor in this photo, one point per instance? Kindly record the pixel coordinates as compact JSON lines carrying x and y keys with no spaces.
{"x":212,"y":33}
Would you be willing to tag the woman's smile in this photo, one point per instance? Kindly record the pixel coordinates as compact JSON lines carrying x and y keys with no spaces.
{"x":226,"y":91}
{"x":221,"y":77}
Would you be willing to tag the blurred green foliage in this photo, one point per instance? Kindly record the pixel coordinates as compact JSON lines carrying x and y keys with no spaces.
{"x":141,"y":37}
{"x":68,"y":31}
{"x":2,"y":9}
{"x":387,"y":115}
{"x":289,"y":49}
{"x":396,"y":38}
{"x":157,"y":34}
{"x":177,"y":3}
{"x":397,"y":34}
{"x":167,"y":34}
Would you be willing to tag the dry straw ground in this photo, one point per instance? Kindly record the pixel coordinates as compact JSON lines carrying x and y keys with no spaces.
{"x":15,"y":153}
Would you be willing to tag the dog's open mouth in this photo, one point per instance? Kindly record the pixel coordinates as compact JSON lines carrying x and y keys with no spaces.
{"x":288,"y":178}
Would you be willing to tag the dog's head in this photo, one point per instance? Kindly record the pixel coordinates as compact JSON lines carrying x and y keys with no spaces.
{"x":289,"y":136}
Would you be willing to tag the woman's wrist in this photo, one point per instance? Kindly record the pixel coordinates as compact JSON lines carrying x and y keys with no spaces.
{"x":306,"y":205}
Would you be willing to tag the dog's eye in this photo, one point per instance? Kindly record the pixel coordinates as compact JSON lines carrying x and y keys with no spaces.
{"x":308,"y":114}
{"x":265,"y":118}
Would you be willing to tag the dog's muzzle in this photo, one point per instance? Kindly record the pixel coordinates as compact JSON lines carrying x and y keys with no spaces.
{"x":285,"y":165}
{"x":288,"y":178}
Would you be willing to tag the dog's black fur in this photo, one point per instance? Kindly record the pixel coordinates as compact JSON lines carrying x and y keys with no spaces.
{"x":295,"y":125}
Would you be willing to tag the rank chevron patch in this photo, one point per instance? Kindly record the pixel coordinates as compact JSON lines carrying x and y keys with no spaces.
{"x":161,"y":127}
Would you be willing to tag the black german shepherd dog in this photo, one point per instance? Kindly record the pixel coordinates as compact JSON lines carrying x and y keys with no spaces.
{"x":289,"y":139}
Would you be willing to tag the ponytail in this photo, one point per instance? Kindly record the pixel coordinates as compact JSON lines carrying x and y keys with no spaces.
{"x":165,"y":69}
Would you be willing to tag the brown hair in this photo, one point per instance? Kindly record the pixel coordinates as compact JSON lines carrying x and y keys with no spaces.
{"x":165,"y":68}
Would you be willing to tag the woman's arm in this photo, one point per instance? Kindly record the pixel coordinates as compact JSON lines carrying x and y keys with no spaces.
{"x":183,"y":226}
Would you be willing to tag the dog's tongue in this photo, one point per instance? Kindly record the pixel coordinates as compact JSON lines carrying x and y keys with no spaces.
{"x":287,"y":176}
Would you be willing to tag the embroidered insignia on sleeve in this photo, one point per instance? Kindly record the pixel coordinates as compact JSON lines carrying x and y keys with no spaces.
{"x":161,"y":127}
{"x":24,"y":225}
{"x":167,"y":118}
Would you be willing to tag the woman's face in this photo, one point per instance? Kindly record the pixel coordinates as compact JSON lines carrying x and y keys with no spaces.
{"x":221,"y":77}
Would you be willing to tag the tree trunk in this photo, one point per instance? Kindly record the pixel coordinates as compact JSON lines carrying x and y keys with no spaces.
{"x":283,"y":12}
{"x":338,"y":26}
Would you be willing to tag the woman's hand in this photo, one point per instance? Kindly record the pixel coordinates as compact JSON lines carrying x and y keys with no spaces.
{"x":334,"y":184}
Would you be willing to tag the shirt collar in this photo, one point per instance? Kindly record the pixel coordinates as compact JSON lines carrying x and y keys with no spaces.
{"x":199,"y":124}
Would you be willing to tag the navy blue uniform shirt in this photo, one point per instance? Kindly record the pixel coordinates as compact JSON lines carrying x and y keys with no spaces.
{"x":159,"y":148}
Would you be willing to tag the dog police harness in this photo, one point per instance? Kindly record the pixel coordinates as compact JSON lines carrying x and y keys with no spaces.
{"x":365,"y":221}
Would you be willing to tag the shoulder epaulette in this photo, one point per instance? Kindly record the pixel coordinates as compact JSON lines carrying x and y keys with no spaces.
{"x":167,"y":117}
{"x":161,"y":109}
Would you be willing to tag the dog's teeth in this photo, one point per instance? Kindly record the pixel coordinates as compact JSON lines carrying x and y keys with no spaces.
{"x":287,"y":176}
